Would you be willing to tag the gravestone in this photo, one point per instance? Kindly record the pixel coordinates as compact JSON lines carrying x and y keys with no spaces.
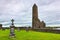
{"x":27,"y":29}
{"x":18,"y":28}
{"x":12,"y":33}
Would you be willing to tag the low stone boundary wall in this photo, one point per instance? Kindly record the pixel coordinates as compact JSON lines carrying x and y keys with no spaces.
{"x":47,"y":30}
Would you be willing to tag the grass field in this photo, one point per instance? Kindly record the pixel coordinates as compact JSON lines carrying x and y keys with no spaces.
{"x":31,"y":35}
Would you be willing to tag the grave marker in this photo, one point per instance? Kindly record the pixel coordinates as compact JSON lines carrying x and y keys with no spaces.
{"x":12,"y":33}
{"x":18,"y":28}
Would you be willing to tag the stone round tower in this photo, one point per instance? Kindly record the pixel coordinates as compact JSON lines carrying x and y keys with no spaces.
{"x":36,"y":23}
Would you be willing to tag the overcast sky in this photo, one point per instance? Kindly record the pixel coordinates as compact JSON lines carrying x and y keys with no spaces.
{"x":21,"y":11}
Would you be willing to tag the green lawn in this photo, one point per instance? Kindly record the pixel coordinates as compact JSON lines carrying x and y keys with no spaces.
{"x":31,"y":35}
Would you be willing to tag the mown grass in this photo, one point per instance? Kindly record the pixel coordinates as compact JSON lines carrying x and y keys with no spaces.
{"x":31,"y":35}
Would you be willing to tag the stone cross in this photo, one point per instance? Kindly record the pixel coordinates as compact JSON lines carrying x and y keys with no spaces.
{"x":12,"y":34}
{"x":12,"y":21}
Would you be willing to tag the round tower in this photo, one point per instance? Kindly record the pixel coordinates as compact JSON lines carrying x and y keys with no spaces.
{"x":34,"y":15}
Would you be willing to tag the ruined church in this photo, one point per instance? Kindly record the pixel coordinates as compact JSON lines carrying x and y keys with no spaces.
{"x":36,"y":23}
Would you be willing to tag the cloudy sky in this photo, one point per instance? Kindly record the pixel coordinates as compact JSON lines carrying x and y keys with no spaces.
{"x":21,"y":12}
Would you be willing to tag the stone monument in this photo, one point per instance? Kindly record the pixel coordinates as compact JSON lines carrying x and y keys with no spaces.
{"x":18,"y":28}
{"x":27,"y":29}
{"x":12,"y":34}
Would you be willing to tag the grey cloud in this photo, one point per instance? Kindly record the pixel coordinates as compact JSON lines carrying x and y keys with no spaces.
{"x":21,"y":10}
